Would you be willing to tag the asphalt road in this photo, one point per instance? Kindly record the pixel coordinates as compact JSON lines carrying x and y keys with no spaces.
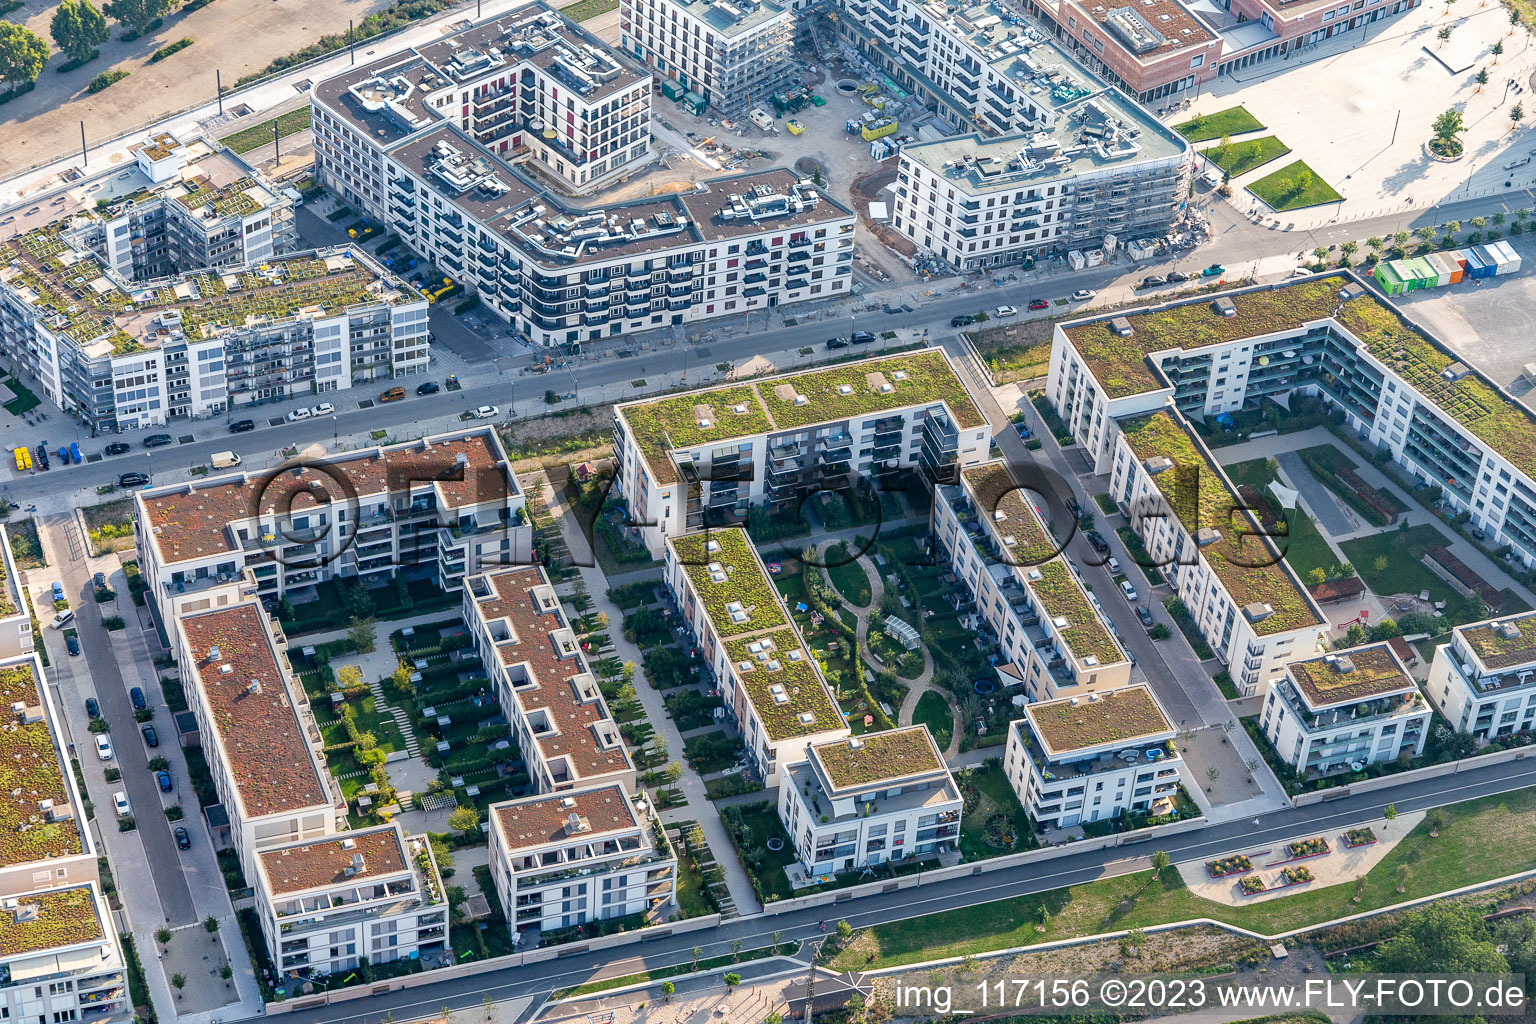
{"x":756,"y":932}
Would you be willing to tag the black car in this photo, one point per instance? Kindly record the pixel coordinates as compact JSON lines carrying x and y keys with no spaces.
{"x":837,"y":343}
{"x":863,"y":337}
{"x":151,"y":738}
{"x":183,"y":837}
{"x":99,"y":580}
{"x":241,"y":426}
{"x":963,"y":320}
{"x":1145,"y":615}
{"x":72,"y":642}
{"x":119,"y":448}
{"x":92,"y":709}
{"x":1074,"y":508}
{"x":137,"y":696}
{"x":430,"y":387}
{"x":132,"y":480}
{"x":1177,"y":277}
{"x":1152,"y":281}
{"x":158,"y":440}
{"x":1098,"y":542}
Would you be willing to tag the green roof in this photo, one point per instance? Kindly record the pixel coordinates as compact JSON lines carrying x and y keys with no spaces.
{"x":1502,"y":642}
{"x":845,"y":391}
{"x":1372,"y":671}
{"x":7,"y":598}
{"x":673,"y":423}
{"x":229,"y":201}
{"x":30,"y":772}
{"x":879,"y":757}
{"x":996,"y":493}
{"x":783,"y":695}
{"x":1199,"y":494}
{"x":1063,"y":597}
{"x":64,"y":917}
{"x":1080,"y":723}
{"x":78,"y":291}
{"x":743,"y":601}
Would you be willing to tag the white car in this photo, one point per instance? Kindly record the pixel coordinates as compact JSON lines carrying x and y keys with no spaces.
{"x":487,"y":412}
{"x":298,"y":414}
{"x":1006,"y":311}
{"x":60,"y":619}
{"x":103,"y":747}
{"x":1128,"y":590}
{"x":121,"y":805}
{"x":1114,"y":565}
{"x":1083,"y":294}
{"x":323,"y":409}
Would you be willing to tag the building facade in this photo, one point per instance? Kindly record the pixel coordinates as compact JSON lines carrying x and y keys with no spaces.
{"x":686,"y":462}
{"x":61,"y":960}
{"x":1344,"y":711}
{"x":1094,"y":758}
{"x":1484,"y":680}
{"x":865,"y":800}
{"x":15,"y":622}
{"x":731,"y":56}
{"x":564,"y":860}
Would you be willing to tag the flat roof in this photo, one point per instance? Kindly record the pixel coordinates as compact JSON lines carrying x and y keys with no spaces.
{"x":259,"y":727}
{"x":1127,"y":716}
{"x":192,"y":520}
{"x":541,"y":820}
{"x":397,"y":113}
{"x":734,"y":17}
{"x":1002,"y":503}
{"x":718,"y":415}
{"x":1347,"y":676}
{"x":878,"y":757}
{"x":729,"y":579}
{"x":1502,"y":642}
{"x":1174,"y":27}
{"x":32,"y":775}
{"x":50,"y":919}
{"x":780,"y":679}
{"x":317,"y":864}
{"x":549,"y":686}
{"x":1251,"y":569}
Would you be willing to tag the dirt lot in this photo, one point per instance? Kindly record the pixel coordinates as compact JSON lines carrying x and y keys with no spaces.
{"x":236,"y":36}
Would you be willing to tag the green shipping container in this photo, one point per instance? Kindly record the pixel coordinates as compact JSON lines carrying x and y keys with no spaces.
{"x":672,"y":90}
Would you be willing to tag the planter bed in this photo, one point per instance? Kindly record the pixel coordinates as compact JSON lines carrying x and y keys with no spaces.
{"x":1299,"y":875}
{"x":1225,"y":866}
{"x":1303,"y":849}
{"x":1251,"y":885}
{"x":1357,"y":837}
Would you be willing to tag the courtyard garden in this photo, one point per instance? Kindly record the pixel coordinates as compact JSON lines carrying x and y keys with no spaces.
{"x":994,"y":822}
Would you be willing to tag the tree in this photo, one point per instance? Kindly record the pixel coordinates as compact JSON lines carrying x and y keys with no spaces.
{"x":361,"y":636}
{"x":1402,"y":878}
{"x":464,"y":819}
{"x":1481,"y":78}
{"x":1516,"y":115}
{"x":696,"y":952}
{"x":1350,"y":247}
{"x":844,"y":932}
{"x":1320,"y":253}
{"x":1400,"y":237}
{"x":1444,"y":937}
{"x":1376,"y":242}
{"x":490,"y":1006}
{"x":1450,"y":228}
{"x":22,"y":54}
{"x":1379,"y":563}
{"x":1160,"y":861}
{"x":667,"y":988}
{"x":1390,"y":814}
{"x":1043,"y":916}
{"x":348,"y":677}
{"x":1444,"y":33}
{"x":1345,"y":570}
{"x":179,"y":980}
{"x":1318,"y":576}
{"x":78,"y":28}
{"x":401,"y":677}
{"x":1496,"y":49}
{"x":211,"y":925}
{"x":778,"y":939}
{"x":774,"y":1018}
{"x":1478,"y":222}
{"x":1514,"y":17}
{"x":135,"y":15}
{"x":226,"y":972}
{"x":731,"y":980}
{"x":163,"y":936}
{"x":735,"y":950}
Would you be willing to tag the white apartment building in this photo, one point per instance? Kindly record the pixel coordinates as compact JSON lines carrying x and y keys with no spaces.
{"x":1333,"y":336}
{"x":731,"y":55}
{"x":124,"y":354}
{"x":772,"y":687}
{"x":439,"y":508}
{"x":60,"y":959}
{"x":1484,"y":680}
{"x":1345,"y":710}
{"x":871,"y":799}
{"x":561,"y":724}
{"x":263,"y":748}
{"x":563,"y":860}
{"x":694,"y":460}
{"x":531,"y":87}
{"x":15,"y":623}
{"x":1053,"y":636}
{"x":1093,"y":758}
{"x":369,"y":894}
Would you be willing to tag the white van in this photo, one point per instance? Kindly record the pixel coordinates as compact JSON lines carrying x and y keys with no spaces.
{"x":225,"y":460}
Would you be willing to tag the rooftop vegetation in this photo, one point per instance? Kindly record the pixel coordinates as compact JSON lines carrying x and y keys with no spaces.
{"x":847,"y":390}
{"x":880,"y":756}
{"x":803,"y":691}
{"x":1374,"y":671}
{"x":1118,"y":716}
{"x":997,"y":493}
{"x":65,"y":917}
{"x":744,"y":584}
{"x":230,"y":201}
{"x":686,"y":421}
{"x":30,"y":773}
{"x":1063,"y":597}
{"x":1499,"y":651}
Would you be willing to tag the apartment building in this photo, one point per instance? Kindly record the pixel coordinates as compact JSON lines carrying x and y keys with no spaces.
{"x":437,"y":508}
{"x":264,"y":751}
{"x":1094,"y":758}
{"x":15,"y":622}
{"x":564,"y":860}
{"x":1333,"y":336}
{"x":772,"y":687}
{"x":1345,"y":710}
{"x":121,"y":354}
{"x":731,"y":55}
{"x":865,"y":800}
{"x":369,"y":895}
{"x":60,"y":959}
{"x":559,"y":719}
{"x":702,"y":459}
{"x":1052,"y":636}
{"x":531,"y":87}
{"x":1484,"y":680}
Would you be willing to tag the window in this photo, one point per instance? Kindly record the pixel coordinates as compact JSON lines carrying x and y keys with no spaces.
{"x":1198,"y":60}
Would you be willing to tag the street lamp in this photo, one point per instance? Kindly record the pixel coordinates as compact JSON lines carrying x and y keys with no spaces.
{"x":334,"y":430}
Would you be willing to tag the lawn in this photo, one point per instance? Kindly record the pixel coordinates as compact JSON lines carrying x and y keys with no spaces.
{"x":994,"y":801}
{"x":25,"y":400}
{"x":750,"y":827}
{"x":1403,"y":572}
{"x":847,"y":576}
{"x":1482,"y":839}
{"x":586,"y":10}
{"x":258,"y":135}
{"x":1274,"y":190}
{"x":25,"y":544}
{"x":933,"y":711}
{"x":1302,"y":545}
{"x":1232,"y":121}
{"x":1244,"y":155}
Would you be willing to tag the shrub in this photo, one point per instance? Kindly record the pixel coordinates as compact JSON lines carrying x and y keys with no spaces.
{"x":166,"y":51}
{"x":100,"y":82}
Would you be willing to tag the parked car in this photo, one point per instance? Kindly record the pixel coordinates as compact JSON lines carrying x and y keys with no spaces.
{"x":392,"y":395}
{"x":1177,"y":277}
{"x":103,"y":747}
{"x":158,"y":440}
{"x":1214,"y":270}
{"x":1097,"y":540}
{"x":1145,"y":615}
{"x":430,"y":387}
{"x":241,"y":426}
{"x":1005,"y":310}
{"x":1038,"y":304}
{"x":92,"y":708}
{"x":72,"y":644}
{"x":323,"y":409}
{"x":298,"y":414}
{"x":119,"y":448}
{"x":837,"y":343}
{"x":1128,"y":590}
{"x":1024,"y":432}
{"x":183,"y":837}
{"x":151,"y":738}
{"x":487,"y":412}
{"x":1083,"y":294}
{"x":137,"y":696}
{"x":1114,"y":565}
{"x":60,"y":619}
{"x":99,"y":580}
{"x":1153,"y":281}
{"x":163,"y":780}
{"x":963,"y":320}
{"x":121,"y":805}
{"x":58,"y":591}
{"x":132,"y":480}
{"x":863,"y":337}
{"x":1074,"y":508}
